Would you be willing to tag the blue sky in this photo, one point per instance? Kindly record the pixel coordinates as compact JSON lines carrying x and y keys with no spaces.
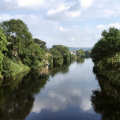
{"x":76,"y":23}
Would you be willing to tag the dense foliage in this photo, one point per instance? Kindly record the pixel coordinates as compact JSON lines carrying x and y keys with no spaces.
{"x":61,"y":55}
{"x":19,"y":49}
{"x":80,"y":53}
{"x":3,"y":48}
{"x":108,"y":45}
{"x":20,"y":52}
{"x":18,"y":36}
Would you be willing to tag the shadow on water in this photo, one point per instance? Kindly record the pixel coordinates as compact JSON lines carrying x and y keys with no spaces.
{"x":106,"y":101}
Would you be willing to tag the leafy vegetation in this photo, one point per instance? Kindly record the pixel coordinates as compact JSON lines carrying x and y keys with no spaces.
{"x":61,"y":55}
{"x":80,"y":53}
{"x":108,"y":45}
{"x":20,"y":52}
{"x":3,"y":49}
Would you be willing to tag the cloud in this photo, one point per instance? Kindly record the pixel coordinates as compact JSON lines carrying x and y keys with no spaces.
{"x":59,"y":9}
{"x":107,"y":26}
{"x":58,"y":21}
{"x":86,"y":3}
{"x":30,"y":3}
{"x":73,"y":14}
{"x":62,"y":29}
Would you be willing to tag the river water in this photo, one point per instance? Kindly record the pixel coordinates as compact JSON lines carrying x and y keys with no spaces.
{"x":66,"y":95}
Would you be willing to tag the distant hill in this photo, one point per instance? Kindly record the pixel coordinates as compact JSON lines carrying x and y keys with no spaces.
{"x":77,"y":48}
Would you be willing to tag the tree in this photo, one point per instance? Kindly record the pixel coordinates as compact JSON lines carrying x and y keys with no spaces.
{"x":80,"y":53}
{"x":33,"y":55}
{"x":108,"y":45}
{"x":41,"y":43}
{"x":57,"y":57}
{"x":64,"y":51}
{"x":3,"y":47}
{"x":17,"y":35}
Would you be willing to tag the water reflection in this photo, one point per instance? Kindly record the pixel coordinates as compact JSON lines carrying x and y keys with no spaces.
{"x":67,"y":96}
{"x":107,"y":100}
{"x":64,"y":94}
{"x":16,"y":104}
{"x":63,"y":69}
{"x":80,"y":60}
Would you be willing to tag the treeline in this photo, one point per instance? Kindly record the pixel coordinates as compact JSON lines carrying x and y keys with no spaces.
{"x":106,"y":52}
{"x":20,"y":52}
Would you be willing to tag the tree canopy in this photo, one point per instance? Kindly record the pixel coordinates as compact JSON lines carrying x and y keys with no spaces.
{"x":108,"y":45}
{"x":17,"y":35}
{"x":3,"y":47}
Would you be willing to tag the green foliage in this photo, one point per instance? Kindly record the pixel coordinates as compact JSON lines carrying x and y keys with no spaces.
{"x":41,"y":43}
{"x":57,"y":57}
{"x":3,"y":44}
{"x":12,"y":69}
{"x":33,"y":55}
{"x":61,"y":55}
{"x":21,"y":45}
{"x":18,"y":36}
{"x":80,"y":53}
{"x":3,"y":41}
{"x":64,"y":51}
{"x":108,"y":45}
{"x":18,"y":50}
{"x":1,"y":61}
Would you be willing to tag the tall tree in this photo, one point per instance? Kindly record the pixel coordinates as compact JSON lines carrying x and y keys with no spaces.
{"x":17,"y":34}
{"x":108,"y":45}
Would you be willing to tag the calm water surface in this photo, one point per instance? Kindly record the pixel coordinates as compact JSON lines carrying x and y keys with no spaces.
{"x":67,"y":95}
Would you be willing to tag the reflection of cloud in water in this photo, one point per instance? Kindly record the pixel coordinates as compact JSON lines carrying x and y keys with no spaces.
{"x":71,"y":90}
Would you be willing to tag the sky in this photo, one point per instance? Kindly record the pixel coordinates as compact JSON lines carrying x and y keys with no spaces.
{"x":74,"y":23}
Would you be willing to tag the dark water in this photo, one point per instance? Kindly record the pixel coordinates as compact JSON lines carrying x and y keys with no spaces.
{"x":67,"y":95}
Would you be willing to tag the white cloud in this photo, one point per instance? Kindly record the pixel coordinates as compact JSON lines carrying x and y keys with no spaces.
{"x":107,"y":26}
{"x":86,"y":3}
{"x":59,"y":9}
{"x":73,"y":14}
{"x":61,"y":28}
{"x":30,"y":3}
{"x":54,"y":20}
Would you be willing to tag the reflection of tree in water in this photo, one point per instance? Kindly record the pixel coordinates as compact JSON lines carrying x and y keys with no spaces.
{"x":106,"y":101}
{"x":80,"y":60}
{"x":16,"y":104}
{"x":63,"y":69}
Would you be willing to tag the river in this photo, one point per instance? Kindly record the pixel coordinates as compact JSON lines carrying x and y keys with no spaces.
{"x":67,"y":95}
